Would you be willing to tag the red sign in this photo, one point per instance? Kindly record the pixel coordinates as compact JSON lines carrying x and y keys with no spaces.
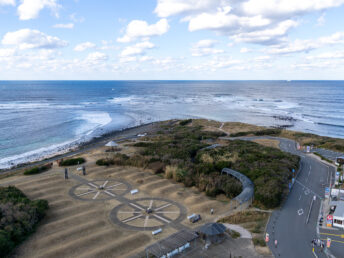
{"x":329,"y":220}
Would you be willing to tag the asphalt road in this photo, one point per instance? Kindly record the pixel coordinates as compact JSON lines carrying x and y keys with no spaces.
{"x":290,"y":225}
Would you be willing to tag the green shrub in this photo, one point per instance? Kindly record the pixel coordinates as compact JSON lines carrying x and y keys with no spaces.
{"x":185,"y":122}
{"x":37,"y":170}
{"x":105,"y":162}
{"x":234,"y":234}
{"x":72,"y":162}
{"x":258,"y":241}
{"x":19,"y":217}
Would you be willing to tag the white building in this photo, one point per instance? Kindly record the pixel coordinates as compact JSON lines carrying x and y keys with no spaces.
{"x":338,"y":215}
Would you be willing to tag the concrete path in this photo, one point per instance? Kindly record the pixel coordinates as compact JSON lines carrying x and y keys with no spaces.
{"x":243,"y":232}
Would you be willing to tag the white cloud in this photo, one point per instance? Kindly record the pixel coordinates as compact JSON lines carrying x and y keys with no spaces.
{"x":27,"y":39}
{"x":64,"y":26}
{"x":205,"y":43}
{"x":307,"y":45}
{"x":205,"y":47}
{"x":83,"y":46}
{"x":321,"y":20}
{"x":273,"y":8}
{"x":141,"y":29}
{"x":29,"y":9}
{"x":328,"y":55}
{"x":7,"y":2}
{"x":266,"y":22}
{"x":166,"y":8}
{"x":245,"y":50}
{"x":266,"y":36}
{"x":97,"y":57}
{"x":7,"y":52}
{"x":137,"y":49}
{"x":223,"y":21}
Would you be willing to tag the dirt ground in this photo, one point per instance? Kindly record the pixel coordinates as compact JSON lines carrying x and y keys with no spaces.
{"x":76,"y":228}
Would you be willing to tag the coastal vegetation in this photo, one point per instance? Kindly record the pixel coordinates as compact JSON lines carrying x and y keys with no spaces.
{"x":38,"y":170}
{"x":72,"y":162}
{"x":304,"y":139}
{"x":185,"y":153}
{"x":19,"y":217}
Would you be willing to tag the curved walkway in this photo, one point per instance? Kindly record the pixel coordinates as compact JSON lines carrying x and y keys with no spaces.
{"x":247,"y":185}
{"x":243,"y":232}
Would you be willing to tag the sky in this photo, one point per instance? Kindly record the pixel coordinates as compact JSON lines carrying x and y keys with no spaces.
{"x":171,"y":40}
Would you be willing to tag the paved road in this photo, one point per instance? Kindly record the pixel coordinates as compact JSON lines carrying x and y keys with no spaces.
{"x":290,"y":224}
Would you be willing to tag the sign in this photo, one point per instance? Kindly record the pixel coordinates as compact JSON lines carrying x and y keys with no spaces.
{"x":267,"y":237}
{"x":327,"y":192}
{"x":293,"y":180}
{"x":293,"y":170}
{"x":329,"y":220}
{"x":328,"y":242}
{"x":308,"y":149}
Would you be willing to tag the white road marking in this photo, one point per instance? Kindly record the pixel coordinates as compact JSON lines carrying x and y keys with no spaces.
{"x":86,"y":193}
{"x":111,"y":194}
{"x":111,"y":186}
{"x":146,"y":221}
{"x":91,"y":184}
{"x":136,"y":206}
{"x":150,"y":204}
{"x":131,"y":218}
{"x":300,"y":212}
{"x":163,"y":207}
{"x":163,"y":219}
{"x":105,"y":183}
{"x":162,"y":212}
{"x":96,"y":195}
{"x":129,"y":212}
{"x":300,"y":197}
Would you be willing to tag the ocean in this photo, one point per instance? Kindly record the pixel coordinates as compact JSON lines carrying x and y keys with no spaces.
{"x":42,"y":118}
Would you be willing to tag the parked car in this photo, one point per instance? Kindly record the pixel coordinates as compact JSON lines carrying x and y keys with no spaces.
{"x":195,"y":218}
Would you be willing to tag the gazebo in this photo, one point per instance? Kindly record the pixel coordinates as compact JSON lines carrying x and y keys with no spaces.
{"x":112,"y":144}
{"x":212,"y":232}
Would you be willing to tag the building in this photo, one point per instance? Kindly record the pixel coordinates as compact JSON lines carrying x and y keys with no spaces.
{"x":338,"y":215}
{"x":212,"y":233}
{"x":176,"y":243}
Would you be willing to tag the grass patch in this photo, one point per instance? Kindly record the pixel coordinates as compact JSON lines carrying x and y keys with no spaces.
{"x":37,"y":170}
{"x":258,"y":241}
{"x":245,"y":216}
{"x":323,"y":158}
{"x":234,"y":234}
{"x":72,"y":162}
{"x":19,"y":217}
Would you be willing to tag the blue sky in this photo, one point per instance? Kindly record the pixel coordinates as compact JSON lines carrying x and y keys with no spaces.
{"x":171,"y":39}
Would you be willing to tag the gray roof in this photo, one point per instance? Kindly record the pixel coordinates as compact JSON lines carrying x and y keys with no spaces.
{"x":339,"y":211}
{"x":212,"y":229}
{"x":170,"y":243}
{"x":247,"y":185}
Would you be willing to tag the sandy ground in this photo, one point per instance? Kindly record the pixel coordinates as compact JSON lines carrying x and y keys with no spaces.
{"x":76,"y":228}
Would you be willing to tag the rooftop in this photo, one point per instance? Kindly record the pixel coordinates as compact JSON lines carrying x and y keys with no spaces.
{"x":339,"y":212}
{"x":170,"y":243}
